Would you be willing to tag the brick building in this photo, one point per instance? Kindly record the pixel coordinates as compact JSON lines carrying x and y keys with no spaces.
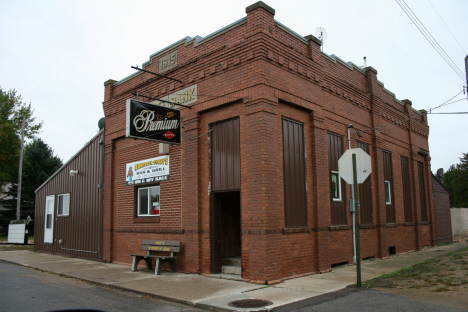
{"x":256,"y":175}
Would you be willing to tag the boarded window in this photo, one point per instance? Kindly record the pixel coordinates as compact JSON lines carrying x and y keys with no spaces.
{"x":365,"y":194}
{"x":422,"y":191}
{"x":338,"y":207}
{"x":225,"y":168}
{"x":405,"y":172}
{"x":388,"y":184}
{"x":295,"y":208}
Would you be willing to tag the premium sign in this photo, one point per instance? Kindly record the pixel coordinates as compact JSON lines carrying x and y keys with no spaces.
{"x":153,"y":122}
{"x":147,"y":171}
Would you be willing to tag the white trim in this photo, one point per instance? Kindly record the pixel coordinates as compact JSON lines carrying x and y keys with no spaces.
{"x":389,"y":185}
{"x":49,"y":231}
{"x":339,"y":185}
{"x":66,"y":205}
{"x":149,"y":206}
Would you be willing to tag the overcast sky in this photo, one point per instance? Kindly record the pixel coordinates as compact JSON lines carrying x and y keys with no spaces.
{"x":57,"y":54}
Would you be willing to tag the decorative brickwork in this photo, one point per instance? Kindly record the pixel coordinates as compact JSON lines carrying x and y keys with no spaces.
{"x":260,"y":72}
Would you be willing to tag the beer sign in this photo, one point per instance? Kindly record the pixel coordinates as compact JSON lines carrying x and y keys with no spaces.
{"x":151,"y":122}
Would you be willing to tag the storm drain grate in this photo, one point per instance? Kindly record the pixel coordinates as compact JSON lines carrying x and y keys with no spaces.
{"x":250,"y":303}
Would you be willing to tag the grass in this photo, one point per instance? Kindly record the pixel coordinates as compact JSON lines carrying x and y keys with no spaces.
{"x":438,"y":274}
{"x":4,"y":239}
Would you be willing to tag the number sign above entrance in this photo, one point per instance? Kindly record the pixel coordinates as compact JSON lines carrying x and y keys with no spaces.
{"x":153,"y":122}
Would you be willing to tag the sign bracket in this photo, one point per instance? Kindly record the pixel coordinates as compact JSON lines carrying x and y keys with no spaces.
{"x":164,"y":101}
{"x":159,"y":75}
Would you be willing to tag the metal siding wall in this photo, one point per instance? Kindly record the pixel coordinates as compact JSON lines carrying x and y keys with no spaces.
{"x":335,"y":151}
{"x":388,"y":175}
{"x":82,"y":228}
{"x":422,"y":191}
{"x":365,"y":194}
{"x":225,"y":155}
{"x":295,"y":208}
{"x":405,"y":172}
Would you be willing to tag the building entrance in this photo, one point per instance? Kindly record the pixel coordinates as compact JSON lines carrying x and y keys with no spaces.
{"x":226,"y":232}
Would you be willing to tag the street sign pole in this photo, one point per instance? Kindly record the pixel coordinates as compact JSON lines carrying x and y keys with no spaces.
{"x":356,"y":216}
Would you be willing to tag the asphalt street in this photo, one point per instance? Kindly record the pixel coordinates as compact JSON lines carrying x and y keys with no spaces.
{"x":363,"y":300}
{"x":25,"y":289}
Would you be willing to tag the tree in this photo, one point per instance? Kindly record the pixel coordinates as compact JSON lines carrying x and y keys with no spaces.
{"x":12,"y":111}
{"x":460,"y":183}
{"x":456,"y":181}
{"x":38,"y":165}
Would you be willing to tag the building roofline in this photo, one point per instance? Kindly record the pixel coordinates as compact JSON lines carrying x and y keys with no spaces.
{"x":70,"y":160}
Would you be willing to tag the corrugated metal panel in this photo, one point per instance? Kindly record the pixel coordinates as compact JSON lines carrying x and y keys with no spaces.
{"x":365,"y":194}
{"x":422,"y":191}
{"x":405,"y":172}
{"x":81,"y":230}
{"x":225,"y":155}
{"x":335,"y":151}
{"x":388,"y":176}
{"x":295,"y":208}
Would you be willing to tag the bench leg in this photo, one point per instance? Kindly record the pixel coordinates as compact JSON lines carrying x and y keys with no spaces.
{"x":136,"y":259}
{"x":173,"y":265}
{"x":159,"y":263}
{"x":149,"y":263}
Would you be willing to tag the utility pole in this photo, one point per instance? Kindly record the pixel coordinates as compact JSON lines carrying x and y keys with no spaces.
{"x":18,"y":199}
{"x":466,"y":75}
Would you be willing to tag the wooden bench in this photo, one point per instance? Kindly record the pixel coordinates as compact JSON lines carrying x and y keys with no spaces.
{"x":171,"y":247}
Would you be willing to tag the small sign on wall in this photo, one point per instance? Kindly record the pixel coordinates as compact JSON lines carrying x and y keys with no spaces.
{"x":147,"y":171}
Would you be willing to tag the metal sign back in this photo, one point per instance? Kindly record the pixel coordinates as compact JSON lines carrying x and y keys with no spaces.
{"x":363,"y":164}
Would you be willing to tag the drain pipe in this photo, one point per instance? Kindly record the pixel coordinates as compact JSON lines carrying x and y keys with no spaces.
{"x":351,"y":202}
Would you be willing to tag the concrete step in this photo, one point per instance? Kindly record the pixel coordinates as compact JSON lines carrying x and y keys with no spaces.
{"x":232,"y":261}
{"x":231,"y":269}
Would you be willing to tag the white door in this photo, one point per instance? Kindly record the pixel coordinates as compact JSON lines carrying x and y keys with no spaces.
{"x":49,"y":219}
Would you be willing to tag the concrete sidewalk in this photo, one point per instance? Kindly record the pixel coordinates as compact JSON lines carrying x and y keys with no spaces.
{"x":215,"y":292}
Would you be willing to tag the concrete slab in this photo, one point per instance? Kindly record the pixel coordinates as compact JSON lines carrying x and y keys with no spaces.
{"x":187,"y":287}
{"x":281,"y":296}
{"x":315,"y":285}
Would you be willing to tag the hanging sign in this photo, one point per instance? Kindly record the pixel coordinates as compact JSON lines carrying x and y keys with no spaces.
{"x":153,"y":122}
{"x":147,"y":171}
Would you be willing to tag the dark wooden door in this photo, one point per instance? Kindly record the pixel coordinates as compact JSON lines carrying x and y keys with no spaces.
{"x":216,"y":248}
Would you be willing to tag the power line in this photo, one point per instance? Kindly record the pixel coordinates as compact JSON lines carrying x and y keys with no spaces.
{"x":426,"y":113}
{"x":420,"y":26}
{"x":447,"y":57}
{"x":452,"y":113}
{"x":447,"y":27}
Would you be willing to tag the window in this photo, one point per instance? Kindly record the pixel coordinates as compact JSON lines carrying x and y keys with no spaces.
{"x":335,"y":182}
{"x":388,"y":185}
{"x":388,"y":193}
{"x":406,"y":179}
{"x":339,"y":214}
{"x":148,"y":201}
{"x":295,"y":198}
{"x":63,"y":205}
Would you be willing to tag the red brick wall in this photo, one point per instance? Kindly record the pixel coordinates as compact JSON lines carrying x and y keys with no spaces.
{"x":260,"y":72}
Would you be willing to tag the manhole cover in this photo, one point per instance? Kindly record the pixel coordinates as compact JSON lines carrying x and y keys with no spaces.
{"x":250,"y":303}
